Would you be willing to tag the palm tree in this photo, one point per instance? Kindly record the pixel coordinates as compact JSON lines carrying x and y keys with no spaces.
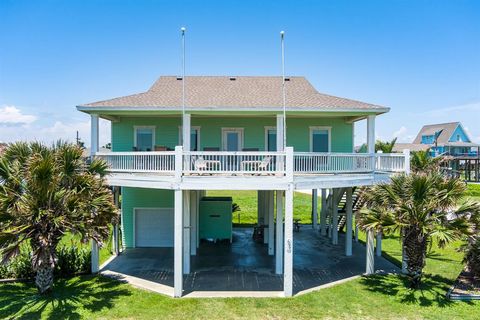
{"x":46,"y":193}
{"x":385,"y":147}
{"x":425,"y":208}
{"x":422,"y":161}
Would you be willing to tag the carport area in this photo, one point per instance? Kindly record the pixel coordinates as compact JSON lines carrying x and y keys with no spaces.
{"x":244,"y":268}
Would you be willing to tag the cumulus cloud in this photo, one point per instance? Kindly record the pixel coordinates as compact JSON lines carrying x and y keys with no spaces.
{"x":403,"y":135}
{"x":12,"y":116}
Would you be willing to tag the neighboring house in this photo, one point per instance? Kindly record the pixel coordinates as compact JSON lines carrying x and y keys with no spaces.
{"x":233,"y":139}
{"x":448,"y":139}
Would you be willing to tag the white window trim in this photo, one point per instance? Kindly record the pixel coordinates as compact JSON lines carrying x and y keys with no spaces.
{"x":135,"y":128}
{"x":134,"y":236}
{"x":329,"y":129}
{"x":240,"y":130}
{"x":267,"y":128}
{"x":180,"y":135}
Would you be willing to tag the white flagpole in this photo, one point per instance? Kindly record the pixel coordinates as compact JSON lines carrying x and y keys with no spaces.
{"x":282,"y":34}
{"x":183,"y":72}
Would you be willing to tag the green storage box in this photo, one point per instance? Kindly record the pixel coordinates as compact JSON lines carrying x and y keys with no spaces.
{"x":215,"y":218}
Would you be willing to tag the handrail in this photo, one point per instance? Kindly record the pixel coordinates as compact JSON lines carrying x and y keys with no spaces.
{"x":252,"y":162}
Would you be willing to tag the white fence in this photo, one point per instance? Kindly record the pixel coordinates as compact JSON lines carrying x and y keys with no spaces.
{"x":241,"y":162}
{"x":252,"y":163}
{"x":311,"y":163}
{"x":156,"y":161}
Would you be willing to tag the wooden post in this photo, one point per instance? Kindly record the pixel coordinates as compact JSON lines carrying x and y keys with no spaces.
{"x":178,"y":245}
{"x":288,"y":251}
{"x":279,"y":234}
{"x":348,"y":234}
{"x":336,"y":195}
{"x":315,"y":208}
{"x":323,"y":213}
{"x":271,"y":222}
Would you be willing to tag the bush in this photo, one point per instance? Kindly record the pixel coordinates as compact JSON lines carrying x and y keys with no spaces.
{"x":71,"y":260}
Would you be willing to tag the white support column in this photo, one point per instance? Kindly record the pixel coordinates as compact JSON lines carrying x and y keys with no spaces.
{"x":349,"y":222}
{"x":178,"y":163}
{"x":271,"y":222}
{"x":94,"y":138}
{"x":406,"y":153}
{"x":280,"y":132}
{"x":288,"y":249}
{"x":186,"y":231}
{"x":115,"y":240}
{"x":178,"y":245}
{"x":193,"y":221}
{"x":330,"y":208}
{"x":323,"y":214}
{"x":186,"y":132}
{"x":335,"y":216}
{"x":379,"y":244}
{"x":371,"y":134}
{"x":370,"y":268}
{"x":315,"y":208}
{"x":279,"y":234}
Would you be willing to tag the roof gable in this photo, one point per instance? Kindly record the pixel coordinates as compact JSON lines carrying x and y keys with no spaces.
{"x":459,"y":135}
{"x":444,"y":131}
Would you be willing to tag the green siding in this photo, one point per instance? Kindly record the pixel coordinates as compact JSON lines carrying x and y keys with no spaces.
{"x":298,"y":130}
{"x":141,"y":198}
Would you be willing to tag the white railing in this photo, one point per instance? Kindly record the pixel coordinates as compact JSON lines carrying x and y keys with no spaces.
{"x":156,"y":161}
{"x":241,"y":162}
{"x":252,"y":162}
{"x":311,"y":163}
{"x":390,"y":162}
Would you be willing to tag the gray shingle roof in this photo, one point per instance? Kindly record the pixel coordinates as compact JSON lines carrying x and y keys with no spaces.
{"x":242,"y":92}
{"x":446,"y":130}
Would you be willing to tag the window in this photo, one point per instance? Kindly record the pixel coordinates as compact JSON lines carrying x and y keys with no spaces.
{"x":194,"y":138}
{"x":144,"y":138}
{"x":232,"y":139}
{"x":319,"y":139}
{"x":270,"y":139}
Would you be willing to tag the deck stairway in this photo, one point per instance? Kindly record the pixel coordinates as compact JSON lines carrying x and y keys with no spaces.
{"x":341,"y":193}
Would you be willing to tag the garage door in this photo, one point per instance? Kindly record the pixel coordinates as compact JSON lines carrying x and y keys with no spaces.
{"x":154,"y":227}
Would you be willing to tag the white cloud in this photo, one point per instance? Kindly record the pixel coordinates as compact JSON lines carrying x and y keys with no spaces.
{"x":403,"y":135}
{"x":59,"y":130}
{"x":12,"y":116}
{"x":468,"y":107}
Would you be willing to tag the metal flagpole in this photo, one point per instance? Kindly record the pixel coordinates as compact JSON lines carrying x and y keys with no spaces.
{"x":282,"y":35}
{"x":183,"y":72}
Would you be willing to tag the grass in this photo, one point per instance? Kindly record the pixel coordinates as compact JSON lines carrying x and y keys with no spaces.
{"x":247,"y":200}
{"x":104,"y":253}
{"x":374,"y":297}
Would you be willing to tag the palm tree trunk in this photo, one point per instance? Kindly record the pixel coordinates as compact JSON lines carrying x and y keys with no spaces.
{"x":44,"y":278}
{"x":415,"y":250}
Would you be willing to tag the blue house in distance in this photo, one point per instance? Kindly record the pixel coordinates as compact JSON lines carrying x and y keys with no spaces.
{"x":449,"y":139}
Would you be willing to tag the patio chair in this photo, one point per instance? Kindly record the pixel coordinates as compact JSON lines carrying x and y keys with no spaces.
{"x":200,"y":164}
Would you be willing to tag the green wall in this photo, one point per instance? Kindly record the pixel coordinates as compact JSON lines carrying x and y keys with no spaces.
{"x":167,"y":131}
{"x":141,"y":198}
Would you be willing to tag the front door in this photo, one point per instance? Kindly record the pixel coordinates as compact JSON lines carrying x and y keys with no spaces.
{"x":232,"y":139}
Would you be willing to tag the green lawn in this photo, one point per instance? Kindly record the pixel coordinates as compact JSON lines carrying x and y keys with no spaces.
{"x":247,"y":200}
{"x":375,"y":297}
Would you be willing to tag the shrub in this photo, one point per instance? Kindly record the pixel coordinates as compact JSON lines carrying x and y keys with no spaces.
{"x":71,"y":260}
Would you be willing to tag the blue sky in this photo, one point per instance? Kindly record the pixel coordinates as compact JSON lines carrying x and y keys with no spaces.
{"x":421,"y":58}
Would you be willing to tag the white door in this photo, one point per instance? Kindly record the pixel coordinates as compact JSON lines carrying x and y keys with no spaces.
{"x":232,"y":139}
{"x":154,"y":227}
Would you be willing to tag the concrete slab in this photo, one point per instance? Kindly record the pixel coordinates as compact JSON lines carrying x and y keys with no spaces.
{"x":244,"y":268}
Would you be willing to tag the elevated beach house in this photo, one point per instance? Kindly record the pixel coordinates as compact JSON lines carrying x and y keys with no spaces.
{"x":233,"y":135}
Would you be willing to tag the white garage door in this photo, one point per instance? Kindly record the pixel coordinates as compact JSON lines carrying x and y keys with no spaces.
{"x":154,"y":227}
